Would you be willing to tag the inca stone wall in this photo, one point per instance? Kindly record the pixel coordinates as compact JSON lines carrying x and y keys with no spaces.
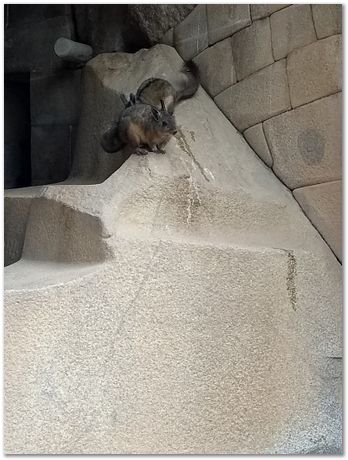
{"x":275,"y":72}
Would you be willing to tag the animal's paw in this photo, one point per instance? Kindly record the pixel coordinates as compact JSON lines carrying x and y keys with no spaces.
{"x":141,"y":151}
{"x":159,"y":150}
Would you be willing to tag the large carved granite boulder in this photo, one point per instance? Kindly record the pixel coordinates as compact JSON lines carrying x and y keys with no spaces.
{"x":206,"y":319}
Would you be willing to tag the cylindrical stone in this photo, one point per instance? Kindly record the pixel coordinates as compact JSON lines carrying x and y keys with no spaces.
{"x":72,"y":51}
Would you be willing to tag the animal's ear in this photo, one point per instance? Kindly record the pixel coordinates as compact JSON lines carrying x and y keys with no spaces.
{"x":132,"y":98}
{"x":155,"y":113}
{"x":163,"y":105}
{"x":123,"y":99}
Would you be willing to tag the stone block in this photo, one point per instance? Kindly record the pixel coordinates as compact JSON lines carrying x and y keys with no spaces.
{"x":252,"y":48}
{"x":291,"y":27}
{"x":225,"y":20}
{"x":154,"y":20}
{"x":257,"y":141}
{"x":218,"y":56}
{"x":30,"y":48}
{"x":256,"y":98}
{"x":327,"y":20}
{"x":55,"y":99}
{"x":315,"y":70}
{"x":261,"y":11}
{"x":306,"y":143}
{"x":191,"y":35}
{"x":322,"y":203}
{"x":50,"y":153}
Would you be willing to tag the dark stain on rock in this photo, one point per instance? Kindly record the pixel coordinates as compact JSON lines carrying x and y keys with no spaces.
{"x":290,"y":279}
{"x":192,"y":134}
{"x":311,"y":145}
{"x":186,"y":148}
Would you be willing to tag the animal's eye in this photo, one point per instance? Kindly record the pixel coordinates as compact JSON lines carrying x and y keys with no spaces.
{"x":164,"y":123}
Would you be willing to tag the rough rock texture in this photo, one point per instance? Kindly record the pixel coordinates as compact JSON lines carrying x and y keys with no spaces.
{"x":327,"y":19}
{"x":256,"y":139}
{"x":104,"y":27}
{"x":256,"y":98}
{"x":315,"y":70}
{"x":292,"y":27}
{"x":322,"y":203}
{"x":252,"y":48}
{"x":155,"y":20}
{"x":218,"y":56}
{"x":225,"y":20}
{"x":207,"y":318}
{"x":191,"y":35}
{"x":306,"y":142}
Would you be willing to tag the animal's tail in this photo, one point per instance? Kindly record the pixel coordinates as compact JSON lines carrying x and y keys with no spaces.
{"x":110,"y":140}
{"x":191,"y":72}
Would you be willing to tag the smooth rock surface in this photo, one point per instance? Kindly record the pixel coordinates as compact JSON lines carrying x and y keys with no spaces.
{"x":207,"y":323}
{"x":252,"y":48}
{"x":322,"y":204}
{"x":257,"y":141}
{"x":257,"y":97}
{"x":16,"y":212}
{"x":305,"y":144}
{"x":16,"y":133}
{"x":327,"y":19}
{"x":218,"y":56}
{"x":191,"y":35}
{"x":225,"y":20}
{"x":292,"y":27}
{"x":315,"y":70}
{"x":55,"y":99}
{"x":51,"y":152}
{"x":168,"y":37}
